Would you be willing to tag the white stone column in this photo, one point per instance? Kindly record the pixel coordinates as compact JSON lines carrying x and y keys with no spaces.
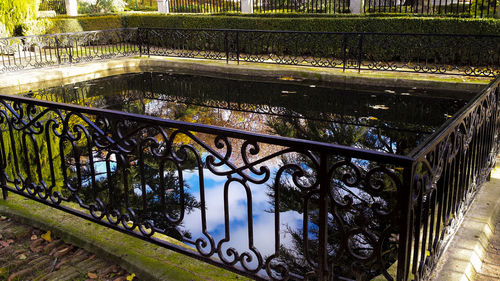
{"x":71,"y":8}
{"x":356,"y":6}
{"x":247,"y":6}
{"x":163,"y":6}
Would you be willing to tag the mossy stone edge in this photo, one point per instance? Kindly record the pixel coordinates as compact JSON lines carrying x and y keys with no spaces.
{"x":146,"y":260}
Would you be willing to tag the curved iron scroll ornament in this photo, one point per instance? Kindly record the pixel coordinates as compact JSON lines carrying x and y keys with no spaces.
{"x":113,"y":166}
{"x":447,"y":177}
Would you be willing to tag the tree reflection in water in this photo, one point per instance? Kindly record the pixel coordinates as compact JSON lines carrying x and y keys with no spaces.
{"x":362,"y":222}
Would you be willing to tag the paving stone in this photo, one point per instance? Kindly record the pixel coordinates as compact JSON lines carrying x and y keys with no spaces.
{"x":490,"y":269}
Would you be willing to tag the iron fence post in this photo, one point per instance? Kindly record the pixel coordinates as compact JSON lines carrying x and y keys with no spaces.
{"x":5,"y":193}
{"x":238,"y":47}
{"x":148,"y":44}
{"x":344,"y":59}
{"x":70,"y":50}
{"x":139,"y":41}
{"x":3,"y":164}
{"x":405,"y":226}
{"x":57,"y":51}
{"x":360,"y":52}
{"x":226,"y":46}
{"x":323,"y":218}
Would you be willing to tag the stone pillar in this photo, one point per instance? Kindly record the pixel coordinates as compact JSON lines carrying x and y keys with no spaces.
{"x":163,"y":6}
{"x":356,"y":6}
{"x":71,"y":8}
{"x":247,"y":6}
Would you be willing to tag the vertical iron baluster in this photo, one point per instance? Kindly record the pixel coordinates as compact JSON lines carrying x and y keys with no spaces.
{"x":3,"y":164}
{"x":405,"y":206}
{"x":238,"y":46}
{"x":226,"y":46}
{"x":323,"y":175}
{"x":360,"y":55}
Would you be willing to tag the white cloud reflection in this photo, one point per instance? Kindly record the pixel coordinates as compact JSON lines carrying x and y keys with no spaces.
{"x":263,"y":220}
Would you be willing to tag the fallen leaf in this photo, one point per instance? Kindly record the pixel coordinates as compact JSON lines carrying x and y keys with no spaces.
{"x":34,"y":237}
{"x":131,"y":277}
{"x":21,"y":257}
{"x":1,"y":236}
{"x":3,"y":218}
{"x":6,"y":243}
{"x":46,"y":236}
{"x":92,"y":275}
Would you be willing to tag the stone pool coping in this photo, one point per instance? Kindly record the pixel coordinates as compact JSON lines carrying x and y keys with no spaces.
{"x":146,"y":260}
{"x":465,"y":253}
{"x":24,"y":80}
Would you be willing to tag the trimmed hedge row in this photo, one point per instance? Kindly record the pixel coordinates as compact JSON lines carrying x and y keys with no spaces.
{"x":332,"y":24}
{"x":319,"y":23}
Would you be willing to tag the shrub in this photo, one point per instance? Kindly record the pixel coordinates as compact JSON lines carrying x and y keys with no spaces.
{"x":15,"y":12}
{"x":390,"y":24}
{"x":100,"y":6}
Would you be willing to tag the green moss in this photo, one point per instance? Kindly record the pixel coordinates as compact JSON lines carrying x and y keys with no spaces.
{"x":146,"y":260}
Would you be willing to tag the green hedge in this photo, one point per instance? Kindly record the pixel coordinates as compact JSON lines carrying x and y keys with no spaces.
{"x":333,"y":24}
{"x":63,"y":24}
{"x":15,"y":12}
{"x":353,"y":23}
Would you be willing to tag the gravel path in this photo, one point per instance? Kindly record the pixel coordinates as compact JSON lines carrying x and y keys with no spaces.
{"x":27,"y":253}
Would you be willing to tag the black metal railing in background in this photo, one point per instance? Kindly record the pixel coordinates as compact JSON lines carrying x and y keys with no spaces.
{"x":59,"y":6}
{"x":473,"y":8}
{"x":17,"y":53}
{"x":427,"y":53}
{"x":477,"y":55}
{"x":306,"y":6}
{"x":455,"y":54}
{"x":202,"y":6}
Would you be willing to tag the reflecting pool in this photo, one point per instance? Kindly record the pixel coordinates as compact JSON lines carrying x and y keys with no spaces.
{"x":249,"y":204}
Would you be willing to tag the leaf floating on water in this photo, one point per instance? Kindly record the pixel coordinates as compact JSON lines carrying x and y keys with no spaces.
{"x":379,"y":106}
{"x":448,"y":115}
{"x":46,"y":236}
{"x":372,"y":118}
{"x":287,"y":78}
{"x":312,"y":86}
{"x":131,"y":277}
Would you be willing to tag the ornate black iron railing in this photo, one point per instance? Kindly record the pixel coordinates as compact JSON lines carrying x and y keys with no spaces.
{"x":360,"y":211}
{"x":426,"y":53}
{"x":25,"y":52}
{"x":486,"y":8}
